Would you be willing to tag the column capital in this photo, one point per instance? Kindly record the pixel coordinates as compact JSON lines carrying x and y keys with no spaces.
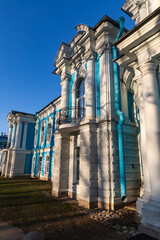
{"x":90,"y":55}
{"x":148,"y":66}
{"x":140,"y":3}
{"x":65,"y":77}
{"x":104,"y":47}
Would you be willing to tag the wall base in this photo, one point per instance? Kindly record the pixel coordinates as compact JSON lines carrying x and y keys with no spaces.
{"x":59,"y":194}
{"x":87,"y":204}
{"x":150,"y":223}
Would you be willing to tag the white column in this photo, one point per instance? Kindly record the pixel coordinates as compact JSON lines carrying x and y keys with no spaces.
{"x":24,"y":135}
{"x":152,"y":123}
{"x":65,"y":90}
{"x":18,"y":135}
{"x":143,"y":143}
{"x":150,"y":223}
{"x":90,"y":88}
{"x":9,"y":134}
{"x":106,"y":80}
{"x":146,"y":193}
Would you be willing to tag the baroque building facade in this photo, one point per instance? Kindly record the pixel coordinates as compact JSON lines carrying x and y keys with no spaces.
{"x":99,"y":141}
{"x":16,"y":159}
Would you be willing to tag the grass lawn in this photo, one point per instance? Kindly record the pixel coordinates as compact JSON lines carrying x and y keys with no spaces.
{"x":28,"y":204}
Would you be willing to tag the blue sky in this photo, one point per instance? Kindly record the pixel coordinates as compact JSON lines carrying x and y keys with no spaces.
{"x":31,"y":32}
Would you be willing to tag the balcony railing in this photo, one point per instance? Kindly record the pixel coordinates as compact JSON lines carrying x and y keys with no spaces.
{"x":71,"y":115}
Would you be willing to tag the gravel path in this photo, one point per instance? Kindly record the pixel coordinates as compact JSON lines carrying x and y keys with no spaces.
{"x":8,"y":232}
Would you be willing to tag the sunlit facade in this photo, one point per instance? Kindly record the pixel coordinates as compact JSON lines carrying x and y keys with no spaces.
{"x":99,"y":142}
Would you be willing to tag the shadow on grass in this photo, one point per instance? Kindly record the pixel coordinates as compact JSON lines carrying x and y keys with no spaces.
{"x":21,"y":192}
{"x":61,"y":218}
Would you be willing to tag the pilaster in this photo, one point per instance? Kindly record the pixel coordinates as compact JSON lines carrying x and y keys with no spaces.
{"x":9,"y":135}
{"x":88,"y":181}
{"x":90,"y":85}
{"x":106,"y":77}
{"x":18,"y":134}
{"x":65,"y":79}
{"x":61,"y":165}
{"x":151,"y":209}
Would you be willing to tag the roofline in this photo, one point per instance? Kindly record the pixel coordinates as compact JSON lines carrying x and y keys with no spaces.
{"x":127,"y":12}
{"x":62,"y":43}
{"x":139,"y":25}
{"x":107,"y":19}
{"x":48,"y":104}
{"x":24,"y":113}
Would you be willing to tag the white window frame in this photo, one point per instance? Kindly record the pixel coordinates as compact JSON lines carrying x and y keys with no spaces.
{"x":50,"y":121}
{"x":78,"y":99}
{"x":36,"y":134}
{"x":40,"y":165}
{"x":76,"y":166}
{"x":47,"y":163}
{"x":42,"y":125}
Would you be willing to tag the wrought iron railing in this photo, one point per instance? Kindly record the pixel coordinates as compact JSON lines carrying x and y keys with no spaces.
{"x":71,"y":115}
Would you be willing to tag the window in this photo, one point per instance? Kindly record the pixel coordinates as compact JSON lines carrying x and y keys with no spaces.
{"x":81,"y":99}
{"x":42,"y":133}
{"x":47,"y":164}
{"x":77,"y":157}
{"x":130,"y":106}
{"x":49,"y":132}
{"x":40,"y":164}
{"x":35,"y":138}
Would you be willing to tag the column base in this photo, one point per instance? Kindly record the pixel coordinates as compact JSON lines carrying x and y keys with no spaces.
{"x":150,"y":223}
{"x":59,"y":194}
{"x":141,"y":201}
{"x":87,"y":203}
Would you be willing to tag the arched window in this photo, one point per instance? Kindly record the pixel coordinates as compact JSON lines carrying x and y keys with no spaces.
{"x":81,"y":99}
{"x":35,"y":137}
{"x":49,"y":132}
{"x":42,"y":133}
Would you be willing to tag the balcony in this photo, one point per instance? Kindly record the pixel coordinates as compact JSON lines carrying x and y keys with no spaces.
{"x":70,"y":117}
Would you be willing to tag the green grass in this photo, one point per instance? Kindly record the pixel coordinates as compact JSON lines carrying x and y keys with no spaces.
{"x":28,"y":204}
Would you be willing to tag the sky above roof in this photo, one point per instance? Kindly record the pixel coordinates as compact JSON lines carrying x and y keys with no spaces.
{"x":31,"y":32}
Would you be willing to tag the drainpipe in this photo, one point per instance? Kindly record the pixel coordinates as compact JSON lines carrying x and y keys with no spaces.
{"x":120,"y":21}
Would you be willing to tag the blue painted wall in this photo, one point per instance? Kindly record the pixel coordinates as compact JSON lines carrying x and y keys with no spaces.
{"x":22,"y":135}
{"x":28,"y":164}
{"x":45,"y":144}
{"x":51,"y":163}
{"x":51,"y":153}
{"x":36,"y":163}
{"x":30,"y":136}
{"x":43,"y":162}
{"x":52,"y":143}
{"x":14,"y":134}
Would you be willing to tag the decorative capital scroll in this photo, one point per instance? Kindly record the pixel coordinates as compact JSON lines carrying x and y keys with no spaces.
{"x":104,"y":47}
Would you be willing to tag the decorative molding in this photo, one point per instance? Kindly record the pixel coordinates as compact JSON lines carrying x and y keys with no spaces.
{"x":65,"y":76}
{"x":90,"y":54}
{"x":104,"y":47}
